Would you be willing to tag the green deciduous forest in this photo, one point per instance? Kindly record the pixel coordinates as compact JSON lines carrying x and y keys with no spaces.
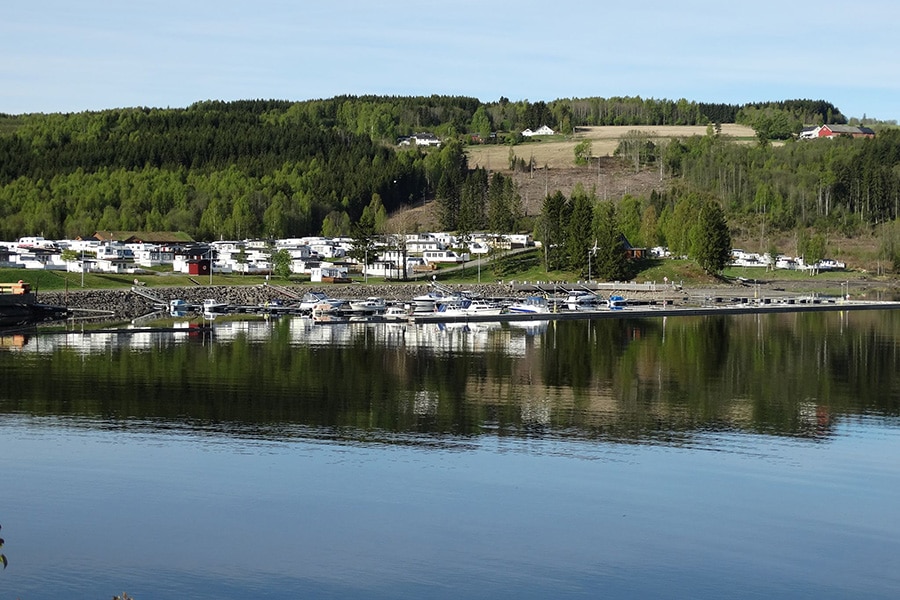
{"x":266,"y":168}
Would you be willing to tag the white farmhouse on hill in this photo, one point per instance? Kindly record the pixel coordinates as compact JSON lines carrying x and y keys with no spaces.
{"x":543,"y":130}
{"x":421,"y":139}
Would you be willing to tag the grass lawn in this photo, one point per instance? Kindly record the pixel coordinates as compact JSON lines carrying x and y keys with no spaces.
{"x":60,"y":280}
{"x":524,"y":266}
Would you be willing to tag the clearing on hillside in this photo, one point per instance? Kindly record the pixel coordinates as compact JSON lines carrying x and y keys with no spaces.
{"x":559,"y":152}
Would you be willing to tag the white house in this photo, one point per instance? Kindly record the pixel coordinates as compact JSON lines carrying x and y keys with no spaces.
{"x":809,"y":133}
{"x":113,"y":264}
{"x":421,"y":139}
{"x":153,"y":256}
{"x":327,"y":249}
{"x":6,"y":258}
{"x":34,"y":257}
{"x":519,"y":240}
{"x":542,"y":130}
{"x":383,"y":268}
{"x":418,"y":246}
{"x":327,"y":272}
{"x":304,"y":266}
{"x":445,"y":256}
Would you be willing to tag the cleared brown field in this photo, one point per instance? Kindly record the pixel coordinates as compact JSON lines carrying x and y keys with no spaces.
{"x":559,"y":153}
{"x":609,"y":178}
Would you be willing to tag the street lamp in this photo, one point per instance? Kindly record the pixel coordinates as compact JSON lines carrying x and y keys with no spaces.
{"x":590,"y":252}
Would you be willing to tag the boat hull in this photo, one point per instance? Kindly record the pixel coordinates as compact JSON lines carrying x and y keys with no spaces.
{"x":21,"y":309}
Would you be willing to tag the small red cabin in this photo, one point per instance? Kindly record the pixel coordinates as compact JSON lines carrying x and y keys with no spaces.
{"x":198,"y":266}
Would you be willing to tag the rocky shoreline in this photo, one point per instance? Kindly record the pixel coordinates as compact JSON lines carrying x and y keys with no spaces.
{"x":125,"y":304}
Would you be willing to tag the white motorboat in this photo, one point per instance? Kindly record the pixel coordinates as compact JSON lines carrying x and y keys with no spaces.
{"x":617,"y":302}
{"x":432,"y":301}
{"x":178,"y":307}
{"x":453,"y":308}
{"x":213,"y":308}
{"x":483,"y":307}
{"x":435,"y":298}
{"x":396,"y":313}
{"x":581,"y":299}
{"x":530,"y":305}
{"x":371,"y":304}
{"x":311,"y":300}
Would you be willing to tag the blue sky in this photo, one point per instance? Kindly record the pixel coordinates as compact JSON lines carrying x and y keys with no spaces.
{"x":92,"y":55}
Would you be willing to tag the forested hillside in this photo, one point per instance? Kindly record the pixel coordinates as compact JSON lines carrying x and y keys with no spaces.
{"x":278,"y":168}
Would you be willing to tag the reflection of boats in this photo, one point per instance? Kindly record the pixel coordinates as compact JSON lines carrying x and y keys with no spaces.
{"x":371,"y":304}
{"x":530,"y":327}
{"x":530,"y":305}
{"x":18,"y":306}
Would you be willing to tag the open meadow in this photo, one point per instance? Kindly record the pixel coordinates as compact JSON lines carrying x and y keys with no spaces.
{"x":558,"y":152}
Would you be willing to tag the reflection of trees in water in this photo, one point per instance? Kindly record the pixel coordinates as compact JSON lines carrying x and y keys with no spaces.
{"x":616,"y":378}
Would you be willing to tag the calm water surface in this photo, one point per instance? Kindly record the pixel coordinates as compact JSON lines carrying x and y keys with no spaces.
{"x":706,"y":458}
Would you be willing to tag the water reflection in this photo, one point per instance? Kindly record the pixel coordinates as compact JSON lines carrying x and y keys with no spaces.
{"x":693,"y":457}
{"x":643,"y":380}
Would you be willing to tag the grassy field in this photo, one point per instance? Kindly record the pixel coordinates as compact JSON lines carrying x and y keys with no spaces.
{"x":526,"y":266}
{"x":60,"y":280}
{"x":558,"y":152}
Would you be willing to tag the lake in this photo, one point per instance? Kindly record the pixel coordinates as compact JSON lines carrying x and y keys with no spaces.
{"x":704,"y":457}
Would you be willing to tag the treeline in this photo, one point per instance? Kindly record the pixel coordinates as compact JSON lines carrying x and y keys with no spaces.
{"x":844,"y":183}
{"x":841,"y":183}
{"x":267,"y":168}
{"x":475,"y":200}
{"x":390,"y":117}
{"x":584,"y":234}
{"x":213,"y":170}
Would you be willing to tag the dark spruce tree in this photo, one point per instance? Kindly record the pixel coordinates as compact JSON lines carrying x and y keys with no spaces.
{"x":612,"y":264}
{"x":711,"y":243}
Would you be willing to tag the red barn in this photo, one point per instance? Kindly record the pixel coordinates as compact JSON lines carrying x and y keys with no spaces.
{"x":830,"y":131}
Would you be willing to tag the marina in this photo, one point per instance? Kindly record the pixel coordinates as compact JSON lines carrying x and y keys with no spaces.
{"x":443,"y":305}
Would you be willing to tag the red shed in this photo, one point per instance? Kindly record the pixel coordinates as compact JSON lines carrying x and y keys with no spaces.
{"x":198,"y":266}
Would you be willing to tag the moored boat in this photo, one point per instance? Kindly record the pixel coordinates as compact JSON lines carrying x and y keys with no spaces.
{"x":581,"y":299}
{"x":19,"y":306}
{"x":530,"y":305}
{"x":213,"y":308}
{"x":311,"y":300}
{"x":435,"y":298}
{"x":616,"y":302}
{"x":396,"y":313}
{"x":483,"y":307}
{"x":452,"y":308}
{"x":370,"y":305}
